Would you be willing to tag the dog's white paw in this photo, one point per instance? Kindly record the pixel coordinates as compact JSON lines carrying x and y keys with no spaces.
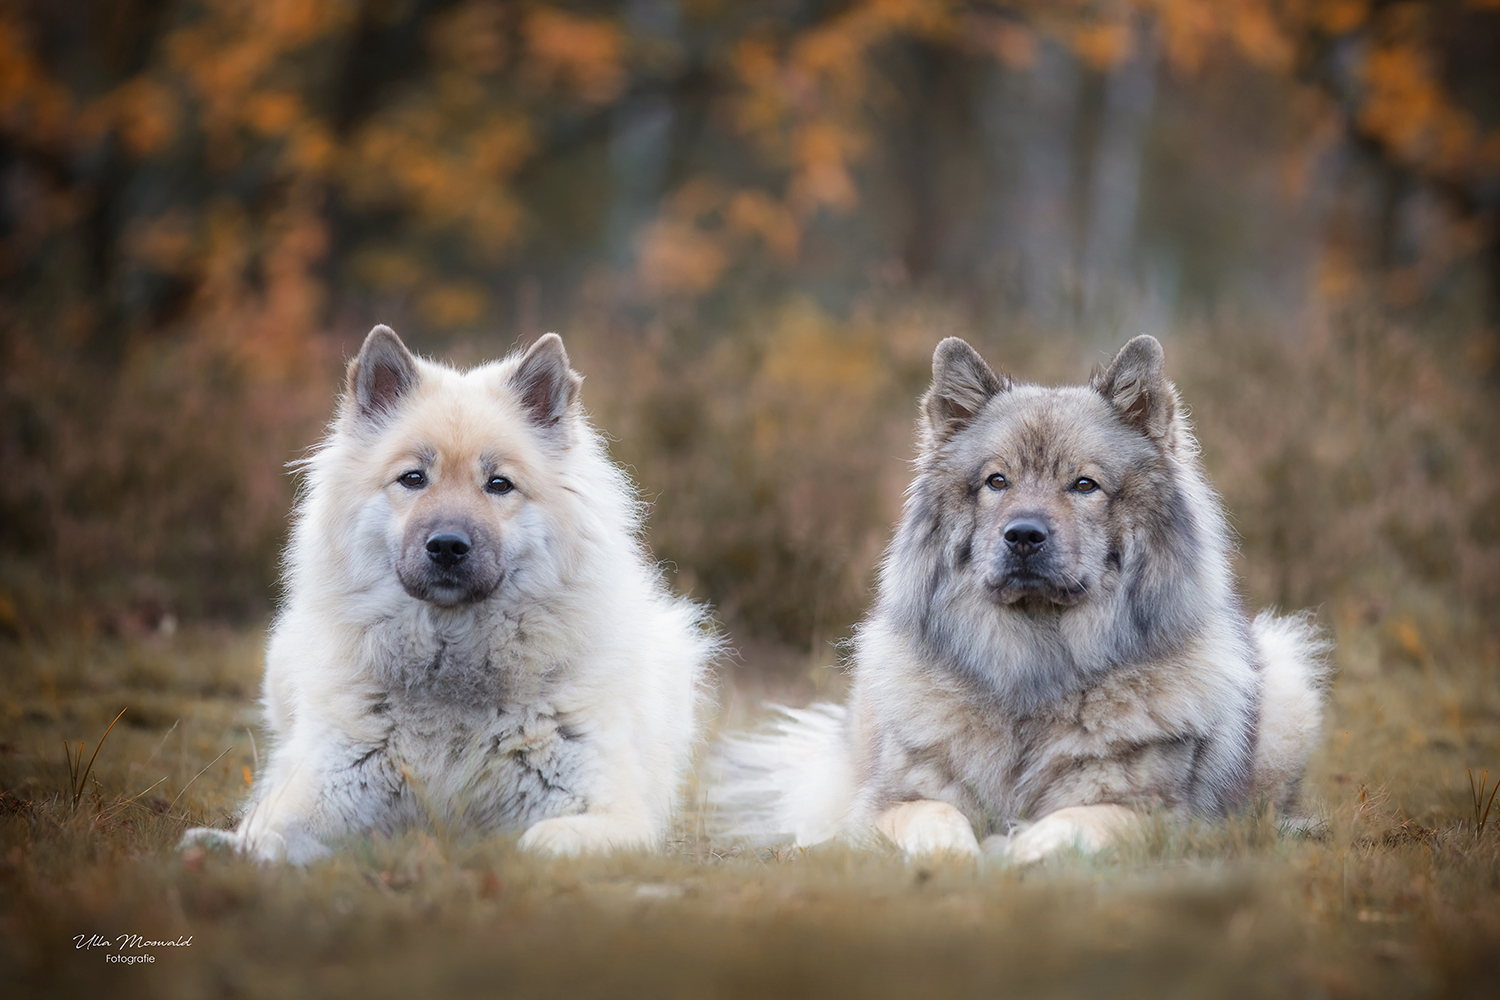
{"x":1088,"y":828}
{"x":264,"y":846}
{"x":214,"y":840}
{"x":568,"y":836}
{"x":928,"y":827}
{"x":293,"y":846}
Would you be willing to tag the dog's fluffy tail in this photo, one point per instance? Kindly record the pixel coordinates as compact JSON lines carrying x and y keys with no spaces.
{"x":792,"y":780}
{"x":1294,"y":678}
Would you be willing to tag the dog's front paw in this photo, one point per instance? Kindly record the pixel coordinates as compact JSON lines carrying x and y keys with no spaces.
{"x":264,"y":846}
{"x":213,"y":840}
{"x":292,"y":846}
{"x":567,"y":836}
{"x":929,"y":827}
{"x":1088,"y":828}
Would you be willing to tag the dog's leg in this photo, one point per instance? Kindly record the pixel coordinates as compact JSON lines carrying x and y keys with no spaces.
{"x":277,"y":827}
{"x":629,"y":789}
{"x":313,"y":791}
{"x":928,"y":827}
{"x":616,"y":820}
{"x":1088,"y":828}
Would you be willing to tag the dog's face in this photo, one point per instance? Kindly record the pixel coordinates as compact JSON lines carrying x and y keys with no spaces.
{"x":452,"y":508}
{"x":458,"y":462}
{"x":1042,"y":502}
{"x":1044,"y":485}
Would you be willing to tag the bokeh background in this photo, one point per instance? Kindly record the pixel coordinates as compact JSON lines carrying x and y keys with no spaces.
{"x":751,"y":223}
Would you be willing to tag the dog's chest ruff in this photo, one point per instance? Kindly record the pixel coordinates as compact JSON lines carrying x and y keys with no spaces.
{"x":1167,"y":733}
{"x":469,"y":730}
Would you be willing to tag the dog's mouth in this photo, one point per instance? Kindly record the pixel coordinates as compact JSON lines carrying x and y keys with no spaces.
{"x":448,"y":590}
{"x":1030,"y":588}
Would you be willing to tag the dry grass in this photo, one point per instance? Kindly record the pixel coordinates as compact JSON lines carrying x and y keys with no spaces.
{"x":1397,"y":896}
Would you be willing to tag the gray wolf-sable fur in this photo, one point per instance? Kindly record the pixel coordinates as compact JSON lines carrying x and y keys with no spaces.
{"x":1056,"y":644}
{"x":471,"y":632}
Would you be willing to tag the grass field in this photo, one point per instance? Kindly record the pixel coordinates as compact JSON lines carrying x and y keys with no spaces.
{"x":1399,"y":895}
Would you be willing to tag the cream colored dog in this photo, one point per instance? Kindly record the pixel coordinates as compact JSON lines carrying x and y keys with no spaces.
{"x":472,"y":631}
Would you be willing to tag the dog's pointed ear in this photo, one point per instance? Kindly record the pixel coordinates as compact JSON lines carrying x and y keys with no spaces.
{"x":382,"y":373}
{"x":1135,"y":384}
{"x":547,"y":387}
{"x":961,"y":386}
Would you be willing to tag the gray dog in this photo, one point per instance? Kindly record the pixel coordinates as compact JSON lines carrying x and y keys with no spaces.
{"x":1057,"y":640}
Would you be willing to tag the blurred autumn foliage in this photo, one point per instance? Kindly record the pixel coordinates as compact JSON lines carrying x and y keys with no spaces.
{"x":751,"y":222}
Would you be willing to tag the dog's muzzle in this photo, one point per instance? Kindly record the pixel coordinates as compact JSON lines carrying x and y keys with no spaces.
{"x":1026,"y":566}
{"x":449,"y":566}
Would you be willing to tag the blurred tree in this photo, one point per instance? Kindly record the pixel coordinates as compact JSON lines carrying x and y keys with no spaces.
{"x":203,"y":202}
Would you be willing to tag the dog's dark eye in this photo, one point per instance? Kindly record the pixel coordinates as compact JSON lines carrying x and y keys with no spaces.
{"x":413,"y":480}
{"x":1085,"y":485}
{"x":996,"y":482}
{"x":499,"y":484}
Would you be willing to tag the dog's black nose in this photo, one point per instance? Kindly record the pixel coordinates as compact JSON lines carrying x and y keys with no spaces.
{"x":1025,"y":537}
{"x":448,"y":548}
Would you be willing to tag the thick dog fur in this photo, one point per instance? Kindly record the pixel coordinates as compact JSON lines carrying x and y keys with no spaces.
{"x":1056,"y":643}
{"x":471,"y":633}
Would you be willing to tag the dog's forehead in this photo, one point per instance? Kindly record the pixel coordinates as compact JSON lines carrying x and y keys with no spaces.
{"x":1049,"y":431}
{"x":461,"y":418}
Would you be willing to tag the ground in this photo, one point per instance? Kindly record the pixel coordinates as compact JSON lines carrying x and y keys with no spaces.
{"x":1396,"y":893}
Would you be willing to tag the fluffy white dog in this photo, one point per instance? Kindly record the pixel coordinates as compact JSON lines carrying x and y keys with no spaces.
{"x":472,"y":631}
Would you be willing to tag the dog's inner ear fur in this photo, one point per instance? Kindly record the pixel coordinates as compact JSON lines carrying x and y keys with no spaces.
{"x":548,"y":388}
{"x":961,"y":386}
{"x":1135,"y":384}
{"x":383,"y":372}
